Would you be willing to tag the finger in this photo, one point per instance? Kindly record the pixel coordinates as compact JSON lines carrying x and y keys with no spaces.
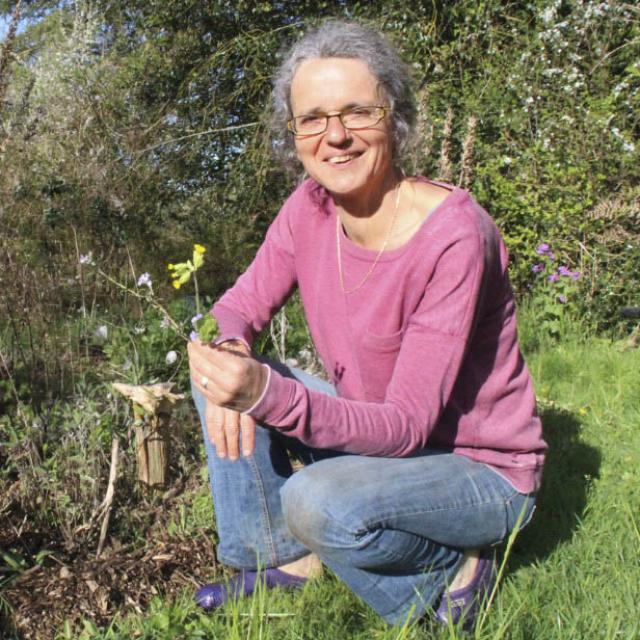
{"x":232,"y":433}
{"x":248,"y":427}
{"x":222,"y":370}
{"x":214,"y":419}
{"x":197,"y":367}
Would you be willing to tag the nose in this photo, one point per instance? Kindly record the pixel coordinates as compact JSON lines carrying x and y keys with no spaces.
{"x":336,"y":132}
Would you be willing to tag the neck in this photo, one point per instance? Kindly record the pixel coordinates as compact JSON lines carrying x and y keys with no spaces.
{"x":366,"y":220}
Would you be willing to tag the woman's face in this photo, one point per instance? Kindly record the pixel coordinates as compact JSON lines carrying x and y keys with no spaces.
{"x":348,"y":163}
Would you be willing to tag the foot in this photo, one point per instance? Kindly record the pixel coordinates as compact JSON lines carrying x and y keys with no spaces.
{"x":307,"y":567}
{"x":464,"y":604}
{"x":211,"y":596}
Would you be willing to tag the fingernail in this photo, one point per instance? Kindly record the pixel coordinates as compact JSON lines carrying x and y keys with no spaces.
{"x":246,"y":453}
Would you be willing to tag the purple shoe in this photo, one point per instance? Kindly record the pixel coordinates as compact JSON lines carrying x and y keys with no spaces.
{"x":211,"y":596}
{"x":464,"y":604}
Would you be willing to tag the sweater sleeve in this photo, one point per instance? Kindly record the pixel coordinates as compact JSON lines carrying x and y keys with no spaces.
{"x":433,"y":348}
{"x":262,"y":289}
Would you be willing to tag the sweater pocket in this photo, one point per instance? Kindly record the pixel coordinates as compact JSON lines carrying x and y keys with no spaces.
{"x":378,"y":356}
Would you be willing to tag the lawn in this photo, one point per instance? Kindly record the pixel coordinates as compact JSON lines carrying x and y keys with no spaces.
{"x":574,"y":573}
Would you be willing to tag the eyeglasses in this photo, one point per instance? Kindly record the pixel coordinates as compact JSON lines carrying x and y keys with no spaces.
{"x":312,"y":124}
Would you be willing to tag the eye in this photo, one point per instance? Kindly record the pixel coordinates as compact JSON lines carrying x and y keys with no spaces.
{"x":361,"y":112}
{"x":310,"y":118}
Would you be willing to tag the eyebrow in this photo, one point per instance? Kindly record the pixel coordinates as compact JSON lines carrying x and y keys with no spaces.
{"x":351,"y":105}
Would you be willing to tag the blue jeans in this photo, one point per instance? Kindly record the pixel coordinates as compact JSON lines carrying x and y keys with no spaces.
{"x":393,"y":529}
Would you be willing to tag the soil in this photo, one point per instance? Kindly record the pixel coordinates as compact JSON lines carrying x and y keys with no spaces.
{"x":72,"y":585}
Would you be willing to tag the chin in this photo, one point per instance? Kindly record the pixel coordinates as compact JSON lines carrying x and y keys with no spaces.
{"x":342,"y":185}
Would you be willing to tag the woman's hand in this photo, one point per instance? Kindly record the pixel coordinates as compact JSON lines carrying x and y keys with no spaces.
{"x":231,"y":381}
{"x":230,"y":431}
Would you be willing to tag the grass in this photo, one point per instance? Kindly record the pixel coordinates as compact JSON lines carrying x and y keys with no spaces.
{"x":574,"y":573}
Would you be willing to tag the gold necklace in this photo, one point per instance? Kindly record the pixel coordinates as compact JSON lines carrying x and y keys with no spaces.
{"x":382,"y":248}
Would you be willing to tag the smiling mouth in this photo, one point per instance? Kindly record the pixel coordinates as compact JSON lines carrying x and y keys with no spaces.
{"x":342,"y":159}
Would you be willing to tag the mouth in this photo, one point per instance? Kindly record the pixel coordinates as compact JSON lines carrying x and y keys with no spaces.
{"x":342,"y":159}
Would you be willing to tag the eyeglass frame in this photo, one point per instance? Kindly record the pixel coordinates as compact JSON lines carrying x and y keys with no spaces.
{"x":338,"y":114}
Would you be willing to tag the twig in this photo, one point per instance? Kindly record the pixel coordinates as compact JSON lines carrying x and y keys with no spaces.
{"x":466,"y":169}
{"x":108,"y":498}
{"x":80,"y":275}
{"x":14,"y":390}
{"x":445,"y":169}
{"x":610,"y":53}
{"x":278,"y":330}
{"x":154,"y":303}
{"x":196,"y":134}
{"x":5,"y":52}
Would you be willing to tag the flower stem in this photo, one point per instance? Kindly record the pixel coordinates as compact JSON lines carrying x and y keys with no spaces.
{"x":195,"y":284}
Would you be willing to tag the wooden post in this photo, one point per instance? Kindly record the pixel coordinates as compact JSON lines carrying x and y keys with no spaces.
{"x":152,"y":407}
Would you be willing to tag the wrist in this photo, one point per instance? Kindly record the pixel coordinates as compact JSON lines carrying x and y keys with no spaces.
{"x":262,"y":384}
{"x":235,"y":344}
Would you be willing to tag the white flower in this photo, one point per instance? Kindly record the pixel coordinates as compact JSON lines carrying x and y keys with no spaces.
{"x":171,"y":357}
{"x":102,"y":332}
{"x":628,"y":147}
{"x":144,"y":280}
{"x":86,"y":258}
{"x":548,"y":15}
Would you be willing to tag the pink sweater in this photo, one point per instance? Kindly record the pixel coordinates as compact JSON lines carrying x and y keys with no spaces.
{"x":424,"y":354}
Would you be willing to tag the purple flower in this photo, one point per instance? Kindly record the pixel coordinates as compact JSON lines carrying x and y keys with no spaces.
{"x":564,"y":271}
{"x":575,"y":275}
{"x":537,"y":268}
{"x":193,"y":336}
{"x":195,"y":319}
{"x":144,"y":280}
{"x":551,"y":255}
{"x":86,"y":258}
{"x":554,"y":277}
{"x":542,"y":249}
{"x":562,"y":298}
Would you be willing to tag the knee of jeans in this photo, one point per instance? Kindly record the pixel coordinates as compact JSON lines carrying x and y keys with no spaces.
{"x":305,"y":508}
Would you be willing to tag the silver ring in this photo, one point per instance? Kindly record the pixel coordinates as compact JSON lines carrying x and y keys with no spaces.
{"x":204,"y":381}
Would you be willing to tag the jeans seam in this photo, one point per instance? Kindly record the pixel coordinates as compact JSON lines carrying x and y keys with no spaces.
{"x":264,"y":511}
{"x":378,"y":522}
{"x":503,"y":500}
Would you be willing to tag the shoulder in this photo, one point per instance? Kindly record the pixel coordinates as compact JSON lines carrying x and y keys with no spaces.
{"x":458,"y":230}
{"x":308,"y":194}
{"x":303,"y":216}
{"x":457,"y":214}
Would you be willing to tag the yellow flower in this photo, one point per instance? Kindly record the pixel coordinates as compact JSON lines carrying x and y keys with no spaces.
{"x":198,"y":248}
{"x":171,"y":267}
{"x":176,"y":284}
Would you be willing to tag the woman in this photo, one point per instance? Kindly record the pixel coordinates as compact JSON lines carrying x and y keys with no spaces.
{"x":425,"y":450}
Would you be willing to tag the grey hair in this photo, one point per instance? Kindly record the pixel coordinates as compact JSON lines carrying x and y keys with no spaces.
{"x":345,"y":39}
